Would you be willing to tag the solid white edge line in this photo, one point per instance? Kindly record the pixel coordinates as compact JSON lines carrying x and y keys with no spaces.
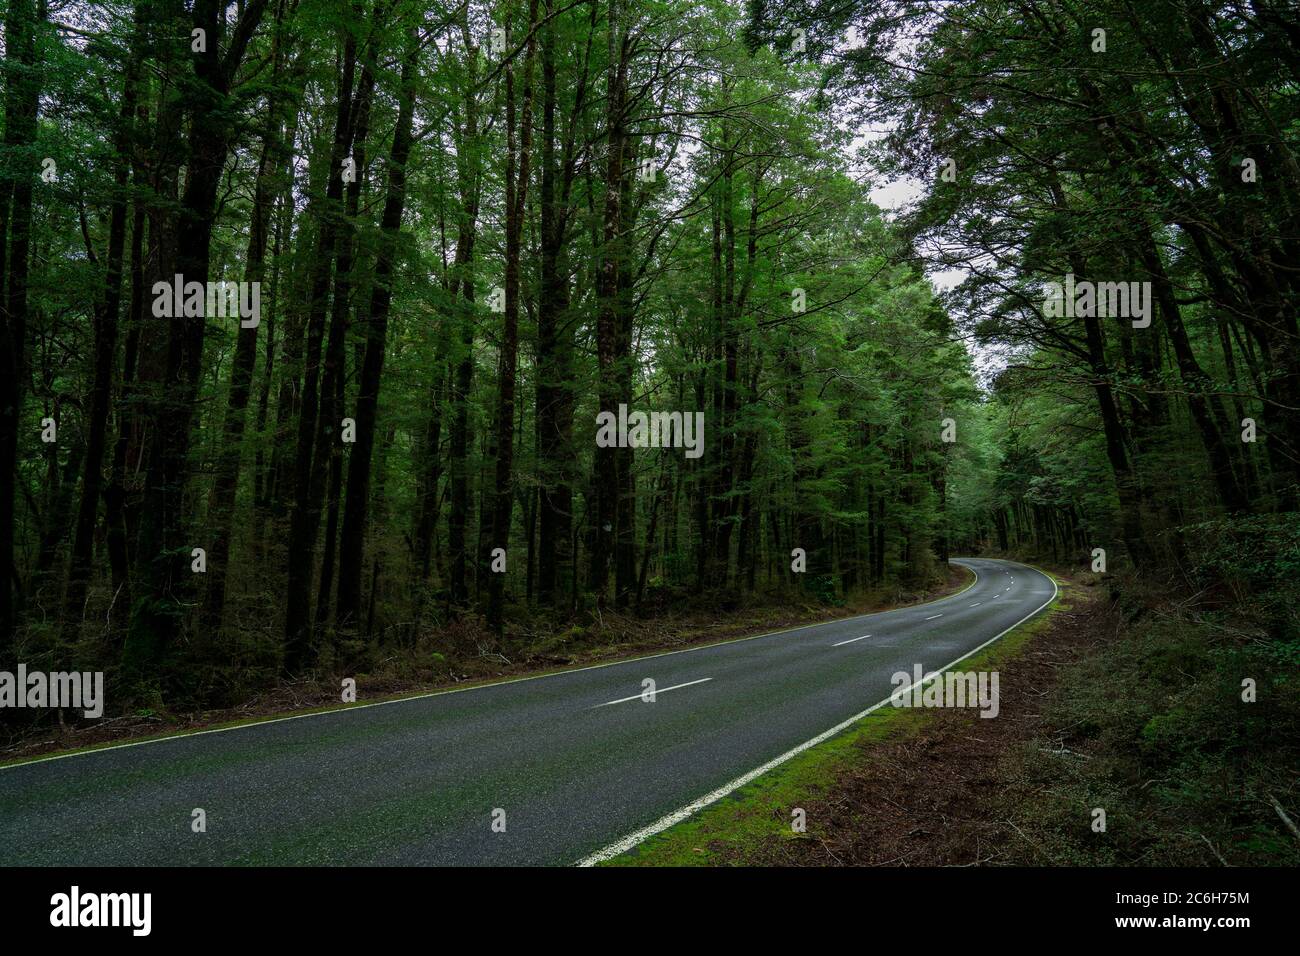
{"x":851,"y":640}
{"x":677,"y":816}
{"x":464,"y":690}
{"x":664,"y":690}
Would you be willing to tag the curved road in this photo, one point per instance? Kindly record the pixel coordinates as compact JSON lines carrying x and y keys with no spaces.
{"x":581,"y":766}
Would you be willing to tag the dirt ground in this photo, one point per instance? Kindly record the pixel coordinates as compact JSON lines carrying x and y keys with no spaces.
{"x":942,"y":797}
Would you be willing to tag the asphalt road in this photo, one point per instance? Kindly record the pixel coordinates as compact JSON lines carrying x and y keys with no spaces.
{"x":577,"y":761}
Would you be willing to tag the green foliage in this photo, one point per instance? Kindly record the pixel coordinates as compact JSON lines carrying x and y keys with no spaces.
{"x":1258,"y":560}
{"x":1171,"y":751}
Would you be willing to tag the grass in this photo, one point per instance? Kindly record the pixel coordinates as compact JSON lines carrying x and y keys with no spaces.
{"x":1147,"y":719}
{"x":727,"y":832}
{"x":1188,"y":772}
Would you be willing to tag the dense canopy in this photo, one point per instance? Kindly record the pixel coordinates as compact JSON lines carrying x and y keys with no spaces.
{"x":453,"y":236}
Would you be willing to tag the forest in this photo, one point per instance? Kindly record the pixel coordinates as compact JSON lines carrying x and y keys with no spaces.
{"x":338,"y":330}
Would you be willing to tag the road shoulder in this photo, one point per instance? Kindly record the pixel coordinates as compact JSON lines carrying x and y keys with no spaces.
{"x":904,"y":786}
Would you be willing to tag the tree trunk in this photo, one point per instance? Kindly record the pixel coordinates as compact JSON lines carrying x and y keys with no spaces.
{"x":306,"y":511}
{"x":221,"y":505}
{"x":351,"y":545}
{"x":22,"y":98}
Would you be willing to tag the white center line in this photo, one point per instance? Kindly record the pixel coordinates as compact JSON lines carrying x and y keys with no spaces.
{"x":851,"y":640}
{"x":661,"y":690}
{"x":976,"y":604}
{"x":933,"y":616}
{"x":683,"y":813}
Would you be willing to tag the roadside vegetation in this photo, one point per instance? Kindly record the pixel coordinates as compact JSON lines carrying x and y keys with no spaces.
{"x":463,"y":658}
{"x":480,"y":232}
{"x":1154,"y":726}
{"x":1126,"y":696}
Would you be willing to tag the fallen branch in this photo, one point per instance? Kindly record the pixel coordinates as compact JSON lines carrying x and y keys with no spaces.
{"x":1213,"y":850}
{"x":1290,"y":824}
